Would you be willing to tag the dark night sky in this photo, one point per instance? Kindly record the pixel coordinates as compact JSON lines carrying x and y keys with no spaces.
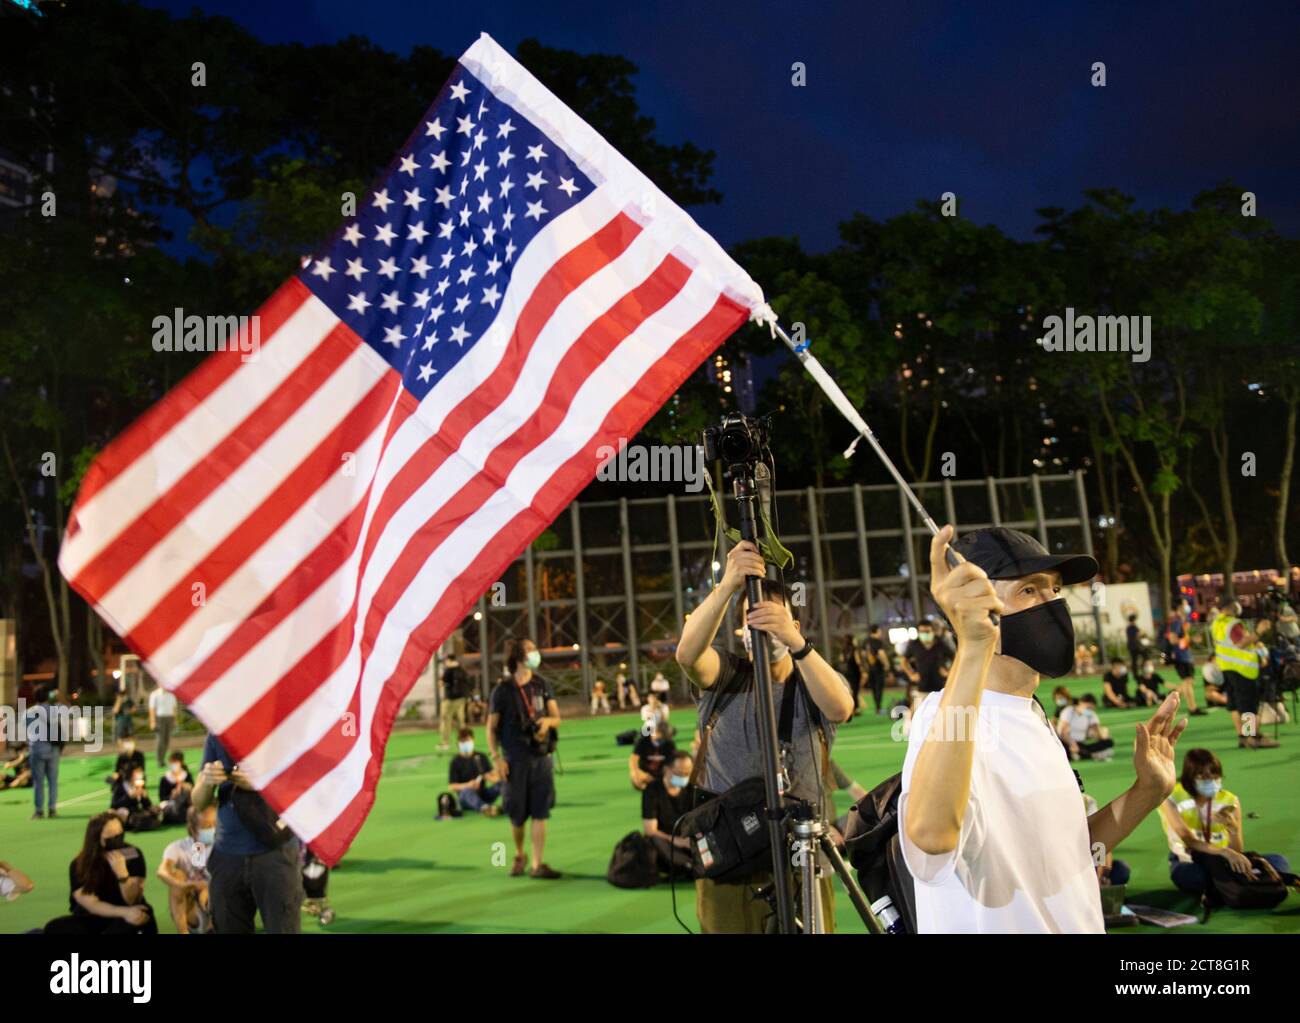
{"x":907,"y":100}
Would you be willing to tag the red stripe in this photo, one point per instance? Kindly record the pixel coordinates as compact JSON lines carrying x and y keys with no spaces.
{"x":579,"y":362}
{"x":625,"y":420}
{"x":296,"y":489}
{"x":298,"y":584}
{"x":174,"y":406}
{"x":169,"y":510}
{"x":319,"y":663}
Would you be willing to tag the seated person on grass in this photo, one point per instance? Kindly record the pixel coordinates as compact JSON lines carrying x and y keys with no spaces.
{"x":649,"y":756}
{"x":16,"y":773}
{"x":1148,"y":685}
{"x":1080,"y":729}
{"x":174,"y":790}
{"x":1215,"y":693}
{"x":184,"y":870}
{"x":472,"y":778}
{"x":663,"y":801}
{"x":1203,"y":819}
{"x":131,"y":803}
{"x":1114,"y":685}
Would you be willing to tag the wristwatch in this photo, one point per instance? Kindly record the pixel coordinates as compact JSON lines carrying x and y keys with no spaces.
{"x":803,"y":651}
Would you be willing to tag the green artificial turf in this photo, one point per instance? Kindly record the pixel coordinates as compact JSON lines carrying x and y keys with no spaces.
{"x":408,"y":872}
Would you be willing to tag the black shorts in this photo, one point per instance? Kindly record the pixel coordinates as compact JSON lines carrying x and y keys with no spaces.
{"x":1183,"y":668}
{"x":1243,"y":693}
{"x":529,"y":791}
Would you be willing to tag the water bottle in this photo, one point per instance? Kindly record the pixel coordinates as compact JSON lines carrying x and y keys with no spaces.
{"x":890,"y":920}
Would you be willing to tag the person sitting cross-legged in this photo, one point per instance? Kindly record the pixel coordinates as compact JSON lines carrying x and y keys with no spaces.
{"x":472,"y":778}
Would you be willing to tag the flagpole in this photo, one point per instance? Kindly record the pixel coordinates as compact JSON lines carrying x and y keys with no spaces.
{"x":765,"y":314}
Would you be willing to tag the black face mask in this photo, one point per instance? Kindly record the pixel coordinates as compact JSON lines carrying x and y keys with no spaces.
{"x":1042,"y":637}
{"x":116,"y":842}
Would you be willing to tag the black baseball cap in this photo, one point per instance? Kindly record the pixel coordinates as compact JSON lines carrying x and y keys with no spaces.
{"x":1010,"y":554}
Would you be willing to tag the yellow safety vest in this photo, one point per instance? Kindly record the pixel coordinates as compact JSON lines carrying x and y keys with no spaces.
{"x":1195,"y":819}
{"x":1242,"y":660}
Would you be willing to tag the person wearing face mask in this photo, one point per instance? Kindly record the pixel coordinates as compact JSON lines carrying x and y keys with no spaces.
{"x":1061,"y":698}
{"x":107,"y":885}
{"x":927,"y":662}
{"x":1114,"y":685}
{"x":990,"y":821}
{"x":184,"y":870}
{"x":522,"y":718}
{"x":729,"y":708}
{"x":129,"y":760}
{"x":132,"y":804}
{"x":1149,"y":682}
{"x":1212,"y":680}
{"x":663,"y":801}
{"x":472,"y":778}
{"x":1203,"y":820}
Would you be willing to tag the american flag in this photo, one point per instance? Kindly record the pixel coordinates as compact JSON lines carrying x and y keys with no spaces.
{"x":285,"y":541}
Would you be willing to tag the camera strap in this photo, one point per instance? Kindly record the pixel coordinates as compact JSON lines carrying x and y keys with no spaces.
{"x":769,"y":544}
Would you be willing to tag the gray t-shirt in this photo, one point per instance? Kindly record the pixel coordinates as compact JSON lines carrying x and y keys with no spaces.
{"x":733,"y":752}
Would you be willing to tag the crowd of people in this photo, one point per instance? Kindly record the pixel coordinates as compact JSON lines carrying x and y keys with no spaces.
{"x":236,"y":861}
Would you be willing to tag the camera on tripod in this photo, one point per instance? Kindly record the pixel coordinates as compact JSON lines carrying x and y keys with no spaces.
{"x":738,"y":441}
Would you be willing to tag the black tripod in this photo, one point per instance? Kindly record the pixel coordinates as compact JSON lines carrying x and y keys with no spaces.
{"x":746,"y":492}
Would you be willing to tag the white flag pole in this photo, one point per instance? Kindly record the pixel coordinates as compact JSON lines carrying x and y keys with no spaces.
{"x":764,"y":314}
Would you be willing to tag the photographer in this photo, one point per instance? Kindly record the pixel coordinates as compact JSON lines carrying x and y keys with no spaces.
{"x":994,"y":832}
{"x":522,"y":718}
{"x":730,"y":750}
{"x":249,"y":874}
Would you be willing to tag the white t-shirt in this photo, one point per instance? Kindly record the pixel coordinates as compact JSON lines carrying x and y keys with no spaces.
{"x":1023,"y":863}
{"x":1078,"y":720}
{"x":190,"y":855}
{"x":1212,"y":674}
{"x":162,"y":703}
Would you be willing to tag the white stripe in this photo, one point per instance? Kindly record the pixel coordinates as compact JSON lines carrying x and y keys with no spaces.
{"x":317,"y":808}
{"x":174,"y":559}
{"x":300,"y":730}
{"x":188,"y":442}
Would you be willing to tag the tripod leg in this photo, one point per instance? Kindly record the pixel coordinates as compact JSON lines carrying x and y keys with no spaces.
{"x":856,"y":895}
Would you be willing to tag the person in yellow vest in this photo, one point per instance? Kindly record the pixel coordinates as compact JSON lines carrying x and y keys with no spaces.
{"x":1202,"y":817}
{"x":1234,"y":650}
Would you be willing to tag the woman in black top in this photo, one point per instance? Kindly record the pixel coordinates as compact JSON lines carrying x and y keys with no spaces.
{"x":107,"y":885}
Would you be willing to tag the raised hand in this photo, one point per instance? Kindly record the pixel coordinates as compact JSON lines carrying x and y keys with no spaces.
{"x":1153,"y":747}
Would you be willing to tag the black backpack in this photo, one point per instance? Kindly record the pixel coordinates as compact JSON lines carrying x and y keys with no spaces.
{"x":871,"y":838}
{"x":1228,"y":888}
{"x":633,"y":863}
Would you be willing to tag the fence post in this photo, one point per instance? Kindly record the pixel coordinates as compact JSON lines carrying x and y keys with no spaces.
{"x":913,"y":589}
{"x":485,"y":649}
{"x":580,"y":594}
{"x":1038,"y":508}
{"x":1087,"y":548}
{"x":676,"y":554}
{"x":629,"y":599}
{"x":994,"y":510}
{"x":819,"y":577}
{"x":530,"y":582}
{"x":864,"y":560}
